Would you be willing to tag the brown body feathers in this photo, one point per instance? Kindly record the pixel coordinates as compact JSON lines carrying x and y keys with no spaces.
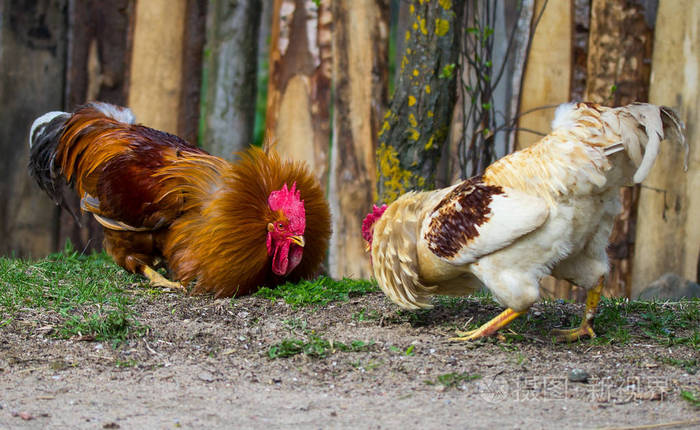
{"x":160,"y":197}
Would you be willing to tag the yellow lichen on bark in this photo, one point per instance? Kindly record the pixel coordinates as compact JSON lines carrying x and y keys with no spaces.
{"x":398,"y":179}
{"x":442,"y":26}
{"x":423,"y":26}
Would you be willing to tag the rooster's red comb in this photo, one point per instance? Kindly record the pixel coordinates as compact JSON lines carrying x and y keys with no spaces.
{"x":369,"y":221}
{"x":289,"y":200}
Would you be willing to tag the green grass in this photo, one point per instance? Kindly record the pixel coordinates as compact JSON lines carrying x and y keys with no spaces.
{"x":451,"y":380}
{"x":316,"y":347}
{"x":85,"y":291}
{"x":692,"y":398}
{"x":408,"y":352}
{"x":690,"y":366}
{"x":678,"y":323}
{"x":366,"y":315}
{"x":318,"y":292}
{"x":618,"y":320}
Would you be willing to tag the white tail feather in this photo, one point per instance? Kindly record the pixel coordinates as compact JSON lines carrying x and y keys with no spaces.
{"x":642,"y":127}
{"x":42,"y":120}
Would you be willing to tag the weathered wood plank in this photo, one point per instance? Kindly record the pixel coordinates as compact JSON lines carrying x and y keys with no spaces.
{"x":668,"y":231}
{"x":192,"y":66}
{"x":32,"y":69}
{"x":298,"y":98}
{"x":360,"y":77}
{"x":156,"y":70}
{"x":96,"y":70}
{"x":548,"y":72}
{"x":231,"y":67}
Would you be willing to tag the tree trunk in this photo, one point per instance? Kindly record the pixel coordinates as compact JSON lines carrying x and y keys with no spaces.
{"x":231,"y":70}
{"x":96,"y":70}
{"x":360,"y":86}
{"x":668,"y":231}
{"x":417,"y":122}
{"x":618,"y":69}
{"x":32,"y":71}
{"x":298,"y":98}
{"x":192,"y":66}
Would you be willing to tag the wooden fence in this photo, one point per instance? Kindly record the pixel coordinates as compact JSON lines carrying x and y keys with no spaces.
{"x":190,"y":67}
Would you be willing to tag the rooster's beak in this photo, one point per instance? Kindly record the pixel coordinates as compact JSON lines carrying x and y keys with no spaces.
{"x":299,"y":240}
{"x":368,"y":247}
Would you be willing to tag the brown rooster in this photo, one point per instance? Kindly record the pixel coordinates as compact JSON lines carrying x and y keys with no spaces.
{"x":231,"y":227}
{"x":547,"y":209}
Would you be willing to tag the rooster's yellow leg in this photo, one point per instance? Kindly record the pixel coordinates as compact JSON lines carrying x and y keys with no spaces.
{"x":586,"y":328}
{"x":158,"y":280}
{"x":490,"y":327}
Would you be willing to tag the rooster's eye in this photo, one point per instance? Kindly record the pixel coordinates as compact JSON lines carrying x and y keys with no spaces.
{"x":280,"y":226}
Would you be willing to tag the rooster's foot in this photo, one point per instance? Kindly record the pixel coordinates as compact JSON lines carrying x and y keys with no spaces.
{"x":586,"y":328}
{"x":490,"y":327}
{"x":158,"y":280}
{"x":573,"y":334}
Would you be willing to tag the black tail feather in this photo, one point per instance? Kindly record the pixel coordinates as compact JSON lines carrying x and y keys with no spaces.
{"x":44,"y":139}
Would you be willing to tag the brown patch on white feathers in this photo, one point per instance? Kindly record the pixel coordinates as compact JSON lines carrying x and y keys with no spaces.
{"x":457,"y":216}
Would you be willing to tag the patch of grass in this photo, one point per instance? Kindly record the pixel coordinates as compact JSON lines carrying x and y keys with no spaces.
{"x":86,"y":291}
{"x":451,"y":380}
{"x":417,"y":318}
{"x":315,"y":347}
{"x":366,"y":366}
{"x":295,"y":324}
{"x":618,"y":321}
{"x":692,"y":398}
{"x":366,"y":315}
{"x":690,"y":366}
{"x":125,"y":363}
{"x":408,"y":352}
{"x":665,"y":323}
{"x":318,"y":292}
{"x":115,"y":325}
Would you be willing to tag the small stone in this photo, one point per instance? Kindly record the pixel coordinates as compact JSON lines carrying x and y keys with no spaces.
{"x":26,"y":416}
{"x":578,"y":375}
{"x":206,"y":377}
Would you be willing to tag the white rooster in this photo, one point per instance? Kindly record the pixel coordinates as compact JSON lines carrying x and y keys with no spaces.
{"x":547,"y":209}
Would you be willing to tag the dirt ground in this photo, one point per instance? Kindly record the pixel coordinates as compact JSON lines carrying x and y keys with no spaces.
{"x":204,"y":364}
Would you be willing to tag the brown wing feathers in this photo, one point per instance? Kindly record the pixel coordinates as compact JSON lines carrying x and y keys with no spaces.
{"x":458,"y":215}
